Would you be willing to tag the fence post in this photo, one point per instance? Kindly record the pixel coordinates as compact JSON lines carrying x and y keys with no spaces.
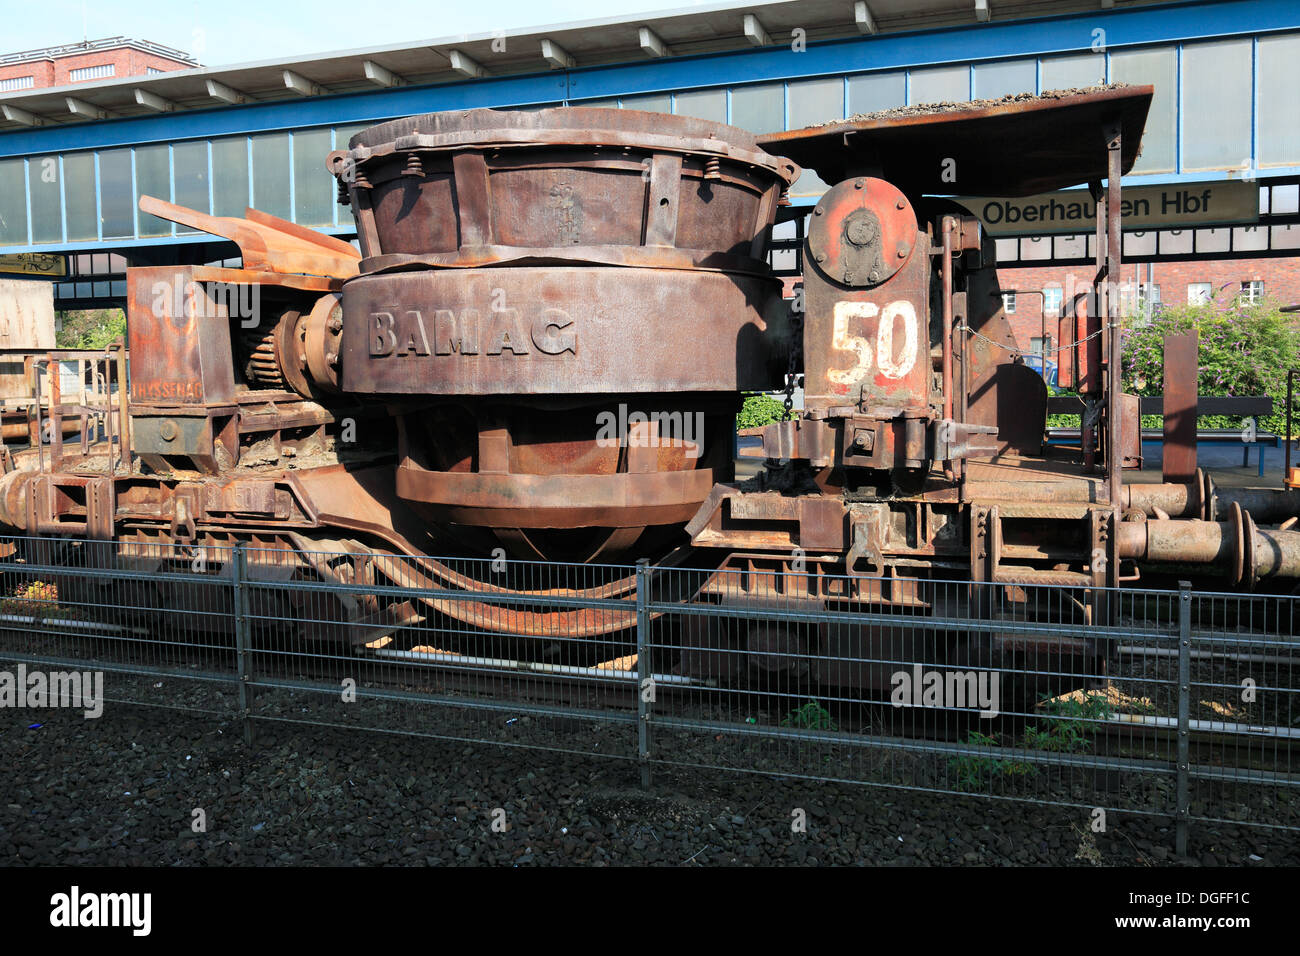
{"x":1183,"y":809}
{"x":243,"y":654}
{"x":645,"y":689}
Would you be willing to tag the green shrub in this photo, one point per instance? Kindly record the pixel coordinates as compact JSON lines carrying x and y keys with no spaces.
{"x":760,"y":409}
{"x":1244,"y":349}
{"x":977,"y":773}
{"x":1070,"y":724}
{"x":811,"y":716}
{"x":91,"y":328}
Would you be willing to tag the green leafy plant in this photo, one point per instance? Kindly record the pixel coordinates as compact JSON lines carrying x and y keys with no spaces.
{"x":91,"y":328}
{"x":1069,"y":728}
{"x":1243,"y":349}
{"x":975,"y":773}
{"x":811,"y":716}
{"x":759,"y":409}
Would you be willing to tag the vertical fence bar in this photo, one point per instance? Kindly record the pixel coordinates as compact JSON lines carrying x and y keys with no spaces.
{"x":645,"y":689}
{"x":1183,"y":810}
{"x":243,"y":659}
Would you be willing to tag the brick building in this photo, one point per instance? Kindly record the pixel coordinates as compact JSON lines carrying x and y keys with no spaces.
{"x":1167,"y":283}
{"x":73,"y":63}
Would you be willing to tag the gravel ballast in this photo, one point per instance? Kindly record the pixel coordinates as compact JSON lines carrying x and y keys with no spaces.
{"x":123,"y":790}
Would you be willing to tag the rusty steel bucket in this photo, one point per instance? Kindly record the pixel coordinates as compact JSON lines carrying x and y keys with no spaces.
{"x":566,"y":304}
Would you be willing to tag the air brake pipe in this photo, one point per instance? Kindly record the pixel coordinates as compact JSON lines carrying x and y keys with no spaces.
{"x":1177,"y":500}
{"x":1221,"y":544}
{"x":1266,"y":505}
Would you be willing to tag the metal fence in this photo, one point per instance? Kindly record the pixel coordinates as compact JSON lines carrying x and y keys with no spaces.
{"x":1174,"y":703}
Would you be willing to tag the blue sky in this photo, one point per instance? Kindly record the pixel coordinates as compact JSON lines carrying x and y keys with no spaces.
{"x":222,"y":32}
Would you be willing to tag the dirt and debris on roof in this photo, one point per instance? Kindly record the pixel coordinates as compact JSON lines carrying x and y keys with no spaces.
{"x":924,"y":109}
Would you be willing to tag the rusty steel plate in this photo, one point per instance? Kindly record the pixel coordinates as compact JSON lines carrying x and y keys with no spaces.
{"x":557,"y":501}
{"x":869,"y":344}
{"x":1014,"y":398}
{"x":862,"y":232}
{"x":469,"y":187}
{"x":576,"y":125}
{"x":558,"y":330}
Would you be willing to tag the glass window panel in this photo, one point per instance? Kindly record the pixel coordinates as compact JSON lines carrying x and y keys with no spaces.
{"x":941,"y":84}
{"x":79,"y":192}
{"x":654,"y":102}
{"x":13,"y":203}
{"x":47,"y":198}
{"x":1279,"y":79}
{"x":115,"y":197}
{"x":992,"y":80}
{"x":1286,"y":237}
{"x":808,"y":184}
{"x":759,"y":108}
{"x":229,"y":176}
{"x":1157,"y":67}
{"x":190,"y":171}
{"x":1217,"y":83}
{"x":1073,"y":72}
{"x":816,"y":101}
{"x":271,"y":174}
{"x":703,"y":104}
{"x":1032,"y":248}
{"x":877,"y":91}
{"x":153,"y":178}
{"x":313,"y":187}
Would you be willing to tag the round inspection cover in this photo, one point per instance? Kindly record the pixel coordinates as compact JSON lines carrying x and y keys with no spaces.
{"x":862,"y":232}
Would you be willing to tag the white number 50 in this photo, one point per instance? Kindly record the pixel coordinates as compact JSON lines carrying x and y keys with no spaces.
{"x":894,"y":313}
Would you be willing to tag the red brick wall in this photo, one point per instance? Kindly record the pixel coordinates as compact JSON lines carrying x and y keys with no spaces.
{"x":127,"y":61}
{"x":1281,"y":278}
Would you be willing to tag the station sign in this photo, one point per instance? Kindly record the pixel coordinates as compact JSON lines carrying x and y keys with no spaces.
{"x":1073,"y":211}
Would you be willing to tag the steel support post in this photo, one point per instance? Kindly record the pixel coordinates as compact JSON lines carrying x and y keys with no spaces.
{"x":645,"y":689}
{"x":1114,"y":254}
{"x":1183,"y":809}
{"x":243,"y":652}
